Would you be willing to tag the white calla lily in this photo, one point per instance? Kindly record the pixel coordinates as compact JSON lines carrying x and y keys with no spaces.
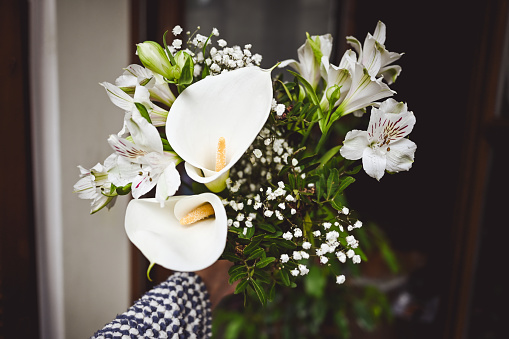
{"x":161,"y":238}
{"x":234,"y":106}
{"x":383,"y":146}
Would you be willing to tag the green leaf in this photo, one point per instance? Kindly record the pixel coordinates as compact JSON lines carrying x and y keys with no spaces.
{"x":237,"y":276}
{"x":143,"y":111}
{"x":321,"y":187}
{"x":172,"y":59}
{"x":252,"y":246}
{"x":337,"y":203}
{"x":309,"y":89}
{"x":330,"y":153}
{"x":345,"y":182}
{"x":264,"y":262}
{"x":186,"y":76}
{"x":256,"y":254}
{"x":332,"y":183}
{"x":266,"y":227}
{"x":230,"y":257}
{"x":241,"y":286}
{"x":262,"y":276}
{"x":249,"y":233}
{"x":237,"y":268}
{"x":259,"y":291}
{"x":355,"y":170}
{"x":285,"y":278}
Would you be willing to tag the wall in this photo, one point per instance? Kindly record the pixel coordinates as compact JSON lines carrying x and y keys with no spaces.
{"x":92,"y":47}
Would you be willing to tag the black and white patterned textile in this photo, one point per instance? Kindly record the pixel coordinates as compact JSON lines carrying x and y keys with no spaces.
{"x":177,"y":308}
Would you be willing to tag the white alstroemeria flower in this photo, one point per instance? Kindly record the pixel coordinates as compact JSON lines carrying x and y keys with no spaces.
{"x":233,"y":106}
{"x":161,"y":238}
{"x":136,"y":75}
{"x":95,"y":185}
{"x":375,"y":57}
{"x":141,"y":95}
{"x":363,"y":91}
{"x":383,"y":146}
{"x":337,"y":76}
{"x":145,"y":164}
{"x":309,"y":62}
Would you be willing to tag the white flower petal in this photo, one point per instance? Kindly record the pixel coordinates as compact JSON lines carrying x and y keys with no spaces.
{"x":159,"y":235}
{"x":233,"y":105}
{"x":379,"y":33}
{"x":126,"y":149}
{"x":145,"y":135}
{"x":168,"y":183}
{"x":363,"y":91}
{"x":123,"y":172}
{"x":143,"y":183}
{"x":290,"y":62}
{"x":373,"y":161}
{"x":354,"y":144}
{"x":118,"y":97}
{"x":400,"y":156}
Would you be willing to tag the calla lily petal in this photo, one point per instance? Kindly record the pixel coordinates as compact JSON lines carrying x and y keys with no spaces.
{"x":159,"y":235}
{"x":233,"y":105}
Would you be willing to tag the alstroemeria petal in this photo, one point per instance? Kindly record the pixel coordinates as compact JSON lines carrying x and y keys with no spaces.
{"x":390,"y":73}
{"x":233,"y":105}
{"x":363,"y":92}
{"x":380,"y":32}
{"x":373,"y":162}
{"x":353,"y":146}
{"x":168,"y":183}
{"x":143,"y":183}
{"x":159,"y":235}
{"x":118,"y":97}
{"x":290,"y":62}
{"x":123,"y":172}
{"x":145,"y":135}
{"x":400,"y":156}
{"x":126,"y":149}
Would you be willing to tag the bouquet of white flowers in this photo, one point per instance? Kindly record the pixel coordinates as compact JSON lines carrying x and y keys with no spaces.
{"x":262,"y":185}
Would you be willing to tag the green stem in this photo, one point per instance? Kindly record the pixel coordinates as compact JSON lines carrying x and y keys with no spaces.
{"x":306,"y":136}
{"x":323,"y":139}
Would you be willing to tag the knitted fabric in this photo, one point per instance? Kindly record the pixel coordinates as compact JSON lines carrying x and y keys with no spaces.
{"x":177,"y":308}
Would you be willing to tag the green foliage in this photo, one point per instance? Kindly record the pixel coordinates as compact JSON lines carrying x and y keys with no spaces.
{"x":314,"y":308}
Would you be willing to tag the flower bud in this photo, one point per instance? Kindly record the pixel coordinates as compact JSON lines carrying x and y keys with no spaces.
{"x":185,"y":64}
{"x":153,"y":57}
{"x":333,"y":94}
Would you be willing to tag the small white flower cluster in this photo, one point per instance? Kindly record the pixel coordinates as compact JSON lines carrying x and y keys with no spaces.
{"x":276,"y":151}
{"x":279,"y":109}
{"x":222,"y":59}
{"x":327,"y":246}
{"x":227,"y":59}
